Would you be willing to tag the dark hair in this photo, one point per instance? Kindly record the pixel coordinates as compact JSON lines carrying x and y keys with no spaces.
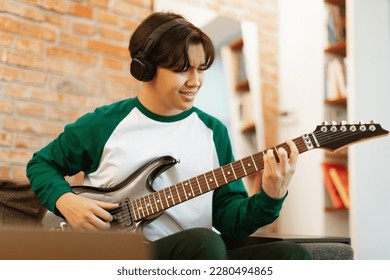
{"x":171,"y":50}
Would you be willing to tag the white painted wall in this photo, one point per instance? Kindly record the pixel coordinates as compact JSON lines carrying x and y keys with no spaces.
{"x":369,"y":85}
{"x":301,"y":40}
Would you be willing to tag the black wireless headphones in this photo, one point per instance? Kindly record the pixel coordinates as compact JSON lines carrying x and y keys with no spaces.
{"x":140,"y":67}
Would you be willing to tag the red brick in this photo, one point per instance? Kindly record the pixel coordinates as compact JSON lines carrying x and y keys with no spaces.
{"x":6,"y":139}
{"x":111,"y":33}
{"x":28,"y":45}
{"x":80,"y":10}
{"x":54,"y":19}
{"x":5,"y":172}
{"x":14,"y":156}
{"x":19,"y":173}
{"x":72,"y":40}
{"x":100,"y":3}
{"x":8,"y":74}
{"x":6,"y":106}
{"x":32,"y":77}
{"x":21,"y":27}
{"x":107,"y":17}
{"x":37,"y":127}
{"x":28,"y":142}
{"x":111,"y":49}
{"x":27,"y":61}
{"x":31,"y":109}
{"x":21,"y":10}
{"x":59,"y":6}
{"x":66,"y":115}
{"x":6,"y":40}
{"x":84,"y":28}
{"x":16,"y":91}
{"x":77,"y":56}
{"x":114,"y":64}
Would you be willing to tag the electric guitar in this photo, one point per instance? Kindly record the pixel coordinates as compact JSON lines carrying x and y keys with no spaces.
{"x":139,"y":203}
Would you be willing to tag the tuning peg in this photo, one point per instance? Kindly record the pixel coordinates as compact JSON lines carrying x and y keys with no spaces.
{"x":362,"y":123}
{"x":372,"y":122}
{"x":333,"y":123}
{"x":324,"y":123}
{"x":343,"y":122}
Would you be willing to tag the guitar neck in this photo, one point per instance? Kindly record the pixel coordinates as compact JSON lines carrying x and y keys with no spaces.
{"x":161,"y":200}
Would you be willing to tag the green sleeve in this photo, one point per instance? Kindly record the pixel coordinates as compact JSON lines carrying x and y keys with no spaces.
{"x":234,"y":213}
{"x":78,"y":148}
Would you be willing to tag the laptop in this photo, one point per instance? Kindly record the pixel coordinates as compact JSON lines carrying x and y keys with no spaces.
{"x":39,"y":244}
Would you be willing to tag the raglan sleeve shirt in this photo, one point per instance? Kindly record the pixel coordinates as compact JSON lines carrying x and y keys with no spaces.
{"x":79,"y":148}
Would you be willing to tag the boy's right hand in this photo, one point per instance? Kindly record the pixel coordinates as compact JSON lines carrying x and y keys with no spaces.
{"x":85,"y":214}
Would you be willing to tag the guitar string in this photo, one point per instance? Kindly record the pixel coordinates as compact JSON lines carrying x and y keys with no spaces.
{"x":239,"y":173}
{"x":176,"y":195}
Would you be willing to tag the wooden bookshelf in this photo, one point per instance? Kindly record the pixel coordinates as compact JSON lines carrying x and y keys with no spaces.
{"x":336,"y":106}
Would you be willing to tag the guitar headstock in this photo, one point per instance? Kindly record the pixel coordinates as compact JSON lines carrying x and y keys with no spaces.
{"x":333,"y":136}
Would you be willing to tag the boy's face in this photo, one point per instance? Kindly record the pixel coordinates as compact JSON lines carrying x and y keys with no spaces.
{"x":175,"y":92}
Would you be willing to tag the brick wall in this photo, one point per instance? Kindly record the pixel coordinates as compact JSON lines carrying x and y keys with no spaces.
{"x":62,"y":58}
{"x":58,"y":60}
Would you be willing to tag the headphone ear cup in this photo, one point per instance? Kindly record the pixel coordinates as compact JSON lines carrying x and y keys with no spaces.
{"x":141,"y":69}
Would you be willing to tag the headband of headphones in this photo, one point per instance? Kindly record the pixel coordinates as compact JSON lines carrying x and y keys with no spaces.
{"x":140,"y":67}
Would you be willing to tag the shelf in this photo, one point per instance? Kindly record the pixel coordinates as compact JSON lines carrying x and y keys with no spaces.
{"x":247,"y":128}
{"x":339,"y":48}
{"x":242,"y":86}
{"x":237,"y":44}
{"x":338,"y":101}
{"x":336,"y":2}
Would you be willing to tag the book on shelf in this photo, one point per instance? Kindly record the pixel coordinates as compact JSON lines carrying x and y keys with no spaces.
{"x":336,"y":24}
{"x":330,"y":186}
{"x":339,"y":176}
{"x":335,"y":79}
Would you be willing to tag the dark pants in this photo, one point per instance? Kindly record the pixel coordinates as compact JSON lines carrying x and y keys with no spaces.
{"x":204,"y":244}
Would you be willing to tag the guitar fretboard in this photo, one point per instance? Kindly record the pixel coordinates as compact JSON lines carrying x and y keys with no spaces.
{"x":156,"y":202}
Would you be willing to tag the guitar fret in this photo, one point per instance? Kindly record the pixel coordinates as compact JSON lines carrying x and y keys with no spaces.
{"x":160,"y":200}
{"x":166,"y":198}
{"x":229,"y":173}
{"x":155,"y":201}
{"x":234,"y":173}
{"x":178,"y":194}
{"x":223,"y":173}
{"x":249,"y":166}
{"x":207,"y":183}
{"x":184,"y":190}
{"x":146,"y":206}
{"x":135,"y":212}
{"x":173,"y":201}
{"x":254,"y":163}
{"x":260,"y":160}
{"x":238,"y":170}
{"x":192,"y":189}
{"x":199,"y":186}
{"x":143,"y":207}
{"x":150,"y":205}
{"x":243,"y":167}
{"x":215,"y":180}
{"x":139,"y":207}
